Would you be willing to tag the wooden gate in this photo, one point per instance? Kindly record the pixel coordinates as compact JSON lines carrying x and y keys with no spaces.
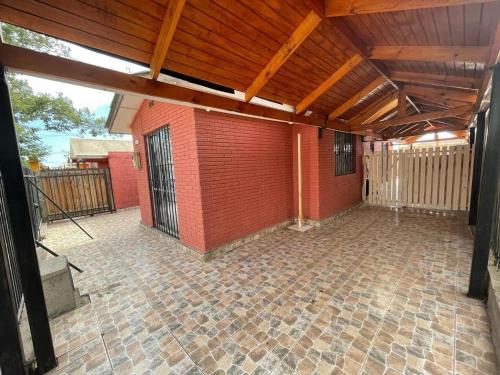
{"x":430,"y":178}
{"x":79,"y":192}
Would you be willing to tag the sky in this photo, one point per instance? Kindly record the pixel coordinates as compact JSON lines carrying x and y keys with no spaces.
{"x":97,"y":101}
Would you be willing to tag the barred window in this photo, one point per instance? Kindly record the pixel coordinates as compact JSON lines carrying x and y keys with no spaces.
{"x":345,"y":153}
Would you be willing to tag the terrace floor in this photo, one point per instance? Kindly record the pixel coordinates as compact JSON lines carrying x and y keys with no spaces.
{"x":374,"y":292}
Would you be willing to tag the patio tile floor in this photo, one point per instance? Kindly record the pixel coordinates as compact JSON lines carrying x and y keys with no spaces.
{"x":375,"y":292}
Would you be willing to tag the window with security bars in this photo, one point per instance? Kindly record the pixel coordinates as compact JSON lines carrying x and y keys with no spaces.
{"x":345,"y":153}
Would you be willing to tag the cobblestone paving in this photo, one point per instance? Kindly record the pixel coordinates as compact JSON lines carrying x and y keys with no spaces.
{"x":375,"y":292}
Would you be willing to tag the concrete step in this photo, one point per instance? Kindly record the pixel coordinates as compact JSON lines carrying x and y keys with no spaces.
{"x":58,"y":287}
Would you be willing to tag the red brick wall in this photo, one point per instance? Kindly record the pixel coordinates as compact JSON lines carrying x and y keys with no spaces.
{"x":186,"y":171}
{"x":337,"y":192}
{"x":123,"y":179}
{"x":246,"y":174}
{"x":236,"y":175}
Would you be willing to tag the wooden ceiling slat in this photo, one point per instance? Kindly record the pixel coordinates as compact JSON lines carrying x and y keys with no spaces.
{"x":66,"y":18}
{"x":137,"y":16}
{"x":467,"y":96}
{"x":169,"y":24}
{"x":70,"y":34}
{"x":336,"y":8}
{"x":92,"y":13}
{"x":147,"y":6}
{"x":298,"y":36}
{"x":223,"y":22}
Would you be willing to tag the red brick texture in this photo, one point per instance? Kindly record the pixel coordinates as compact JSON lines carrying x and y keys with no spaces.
{"x":323,"y":193}
{"x":237,"y":175}
{"x":245,"y":174}
{"x":123,"y":179}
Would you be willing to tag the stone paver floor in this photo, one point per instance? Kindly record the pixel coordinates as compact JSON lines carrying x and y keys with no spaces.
{"x":375,"y":292}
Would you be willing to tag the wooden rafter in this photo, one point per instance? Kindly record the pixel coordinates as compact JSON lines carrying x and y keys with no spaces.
{"x":300,"y":34}
{"x":356,"y":98}
{"x":364,"y":115}
{"x":441,"y":93}
{"x":61,"y":69}
{"x":172,"y":15}
{"x":329,"y":82}
{"x":358,"y":45}
{"x":336,"y":8}
{"x":383,"y":111}
{"x":415,"y":118}
{"x":402,"y":102}
{"x":430,"y":53}
{"x":434,"y":79}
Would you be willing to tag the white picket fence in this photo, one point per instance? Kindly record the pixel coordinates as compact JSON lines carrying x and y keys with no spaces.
{"x":430,"y":178}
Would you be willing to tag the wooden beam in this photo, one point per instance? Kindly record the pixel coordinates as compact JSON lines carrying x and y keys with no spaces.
{"x":338,"y":8}
{"x":329,"y":82}
{"x":466,"y":96}
{"x":402,"y":102}
{"x":434,"y":79}
{"x":430,"y":53}
{"x":383,"y":110}
{"x":300,"y":34}
{"x":415,"y":118}
{"x":172,"y":15}
{"x":364,"y":115}
{"x":356,"y":98}
{"x":53,"y":67}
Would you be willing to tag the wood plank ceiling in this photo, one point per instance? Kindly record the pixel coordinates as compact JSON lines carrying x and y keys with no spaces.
{"x":355,"y":62}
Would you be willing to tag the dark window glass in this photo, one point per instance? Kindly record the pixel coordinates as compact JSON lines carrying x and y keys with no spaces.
{"x":345,"y":153}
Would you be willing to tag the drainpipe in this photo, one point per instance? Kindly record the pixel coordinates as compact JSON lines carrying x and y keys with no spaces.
{"x":300,"y":218}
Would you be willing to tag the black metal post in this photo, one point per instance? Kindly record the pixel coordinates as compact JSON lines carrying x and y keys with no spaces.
{"x":488,"y":192}
{"x":22,"y":233}
{"x":478,"y":162}
{"x":11,"y":350}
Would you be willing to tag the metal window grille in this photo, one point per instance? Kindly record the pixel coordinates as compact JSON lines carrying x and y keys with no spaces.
{"x":345,"y":153}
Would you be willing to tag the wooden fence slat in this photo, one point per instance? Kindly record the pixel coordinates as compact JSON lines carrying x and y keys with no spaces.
{"x":411,"y":173}
{"x":457,"y":178}
{"x":435,"y":178}
{"x":402,"y":177}
{"x":449,"y":177}
{"x":390,"y":176}
{"x":464,"y":184}
{"x":428,"y":178}
{"x":442,"y":177}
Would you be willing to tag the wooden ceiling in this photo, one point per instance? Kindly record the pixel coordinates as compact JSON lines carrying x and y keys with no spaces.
{"x":394,"y":68}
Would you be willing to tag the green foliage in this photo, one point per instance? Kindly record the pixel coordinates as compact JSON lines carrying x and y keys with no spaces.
{"x":56,"y":112}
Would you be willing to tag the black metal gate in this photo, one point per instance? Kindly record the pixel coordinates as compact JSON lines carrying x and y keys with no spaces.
{"x":162,"y":181}
{"x":8,"y":250}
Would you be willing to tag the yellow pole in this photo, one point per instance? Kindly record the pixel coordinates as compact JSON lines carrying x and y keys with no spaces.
{"x":299,"y":169}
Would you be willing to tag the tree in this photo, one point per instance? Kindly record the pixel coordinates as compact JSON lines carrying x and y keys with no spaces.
{"x":55,"y":112}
